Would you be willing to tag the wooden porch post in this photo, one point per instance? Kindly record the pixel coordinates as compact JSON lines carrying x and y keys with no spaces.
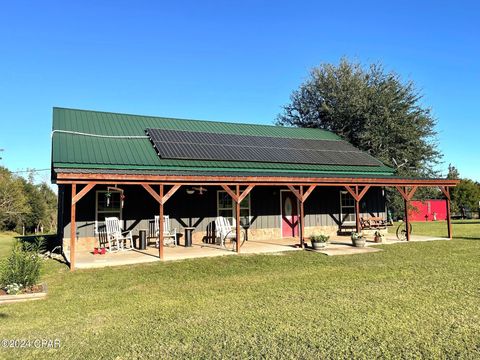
{"x":237,"y":218}
{"x":357,"y":211}
{"x":160,"y":226}
{"x":302,"y":218}
{"x":357,"y":196}
{"x":302,"y":197}
{"x":446,"y":192}
{"x":407,"y":220}
{"x":73,"y":228}
{"x":161,"y":198}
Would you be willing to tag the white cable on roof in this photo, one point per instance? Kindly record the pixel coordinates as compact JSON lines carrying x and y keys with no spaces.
{"x":102,"y":136}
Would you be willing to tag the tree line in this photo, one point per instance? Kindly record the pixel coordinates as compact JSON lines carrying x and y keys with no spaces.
{"x":26,"y":206}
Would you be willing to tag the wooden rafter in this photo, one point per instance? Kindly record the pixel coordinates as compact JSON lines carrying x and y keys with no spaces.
{"x":170,"y":192}
{"x":245,"y":192}
{"x":82,"y":192}
{"x":242,"y":194}
{"x":351,"y":191}
{"x":152,"y":192}
{"x":295,"y":192}
{"x":308,"y":192}
{"x":230,"y":192}
{"x":161,"y":199}
{"x":363,"y":192}
{"x":446,"y":191}
{"x":407,"y":194}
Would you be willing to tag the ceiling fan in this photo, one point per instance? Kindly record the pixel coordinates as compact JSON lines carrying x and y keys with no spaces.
{"x":200,"y":190}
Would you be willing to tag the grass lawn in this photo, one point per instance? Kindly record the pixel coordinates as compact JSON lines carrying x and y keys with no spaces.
{"x":409,"y":301}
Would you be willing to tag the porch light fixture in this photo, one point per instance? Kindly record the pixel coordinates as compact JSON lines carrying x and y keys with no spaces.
{"x":190,"y":191}
{"x":108,"y":195}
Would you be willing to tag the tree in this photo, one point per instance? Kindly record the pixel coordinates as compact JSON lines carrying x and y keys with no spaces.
{"x":50,"y":200}
{"x":372,"y":109}
{"x":13,"y":202}
{"x":375,"y":111}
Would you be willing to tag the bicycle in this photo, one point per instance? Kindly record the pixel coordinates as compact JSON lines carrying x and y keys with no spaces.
{"x":229,"y":240}
{"x":402,"y":231}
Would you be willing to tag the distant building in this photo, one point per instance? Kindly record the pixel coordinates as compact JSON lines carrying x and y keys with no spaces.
{"x":428,"y":210}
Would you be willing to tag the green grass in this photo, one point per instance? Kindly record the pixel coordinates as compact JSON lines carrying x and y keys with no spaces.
{"x":417,"y":300}
{"x":465,"y":229}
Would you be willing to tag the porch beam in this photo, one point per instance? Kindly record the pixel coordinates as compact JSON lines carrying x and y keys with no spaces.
{"x":258,"y":181}
{"x":82,"y":192}
{"x":230,"y":192}
{"x":73,"y":228}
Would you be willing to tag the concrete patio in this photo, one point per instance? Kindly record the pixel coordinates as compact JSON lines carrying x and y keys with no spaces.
{"x":339,"y":245}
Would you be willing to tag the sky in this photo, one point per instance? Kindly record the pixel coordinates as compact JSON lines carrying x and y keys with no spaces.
{"x":233,"y":61}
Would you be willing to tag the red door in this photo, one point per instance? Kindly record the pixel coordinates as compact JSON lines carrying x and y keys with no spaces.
{"x":289,"y":214}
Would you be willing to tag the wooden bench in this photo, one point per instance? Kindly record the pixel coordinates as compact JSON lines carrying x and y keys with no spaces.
{"x":373,"y":223}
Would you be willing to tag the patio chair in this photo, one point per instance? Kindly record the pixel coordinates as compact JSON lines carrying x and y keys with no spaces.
{"x":223,"y":230}
{"x":169,"y":234}
{"x":116,"y":238}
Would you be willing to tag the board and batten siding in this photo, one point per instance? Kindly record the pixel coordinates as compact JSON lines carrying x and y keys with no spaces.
{"x":322,"y":208}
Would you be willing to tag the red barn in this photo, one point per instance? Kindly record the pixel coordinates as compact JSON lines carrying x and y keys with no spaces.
{"x":428,"y":210}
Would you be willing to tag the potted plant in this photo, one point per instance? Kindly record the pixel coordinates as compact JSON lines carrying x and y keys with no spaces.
{"x":319,"y":241}
{"x":358,"y":239}
{"x":379,"y":237}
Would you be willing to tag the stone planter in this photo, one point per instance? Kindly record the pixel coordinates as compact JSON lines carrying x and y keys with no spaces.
{"x":319,"y":245}
{"x":7,"y":299}
{"x":359,"y":242}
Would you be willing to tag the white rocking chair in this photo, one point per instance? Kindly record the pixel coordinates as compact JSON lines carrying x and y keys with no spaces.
{"x":169,"y":234}
{"x":224,"y":231}
{"x":116,"y":238}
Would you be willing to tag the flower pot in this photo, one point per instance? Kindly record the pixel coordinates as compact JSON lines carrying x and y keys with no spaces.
{"x":359,"y":242}
{"x":378,"y":239}
{"x":319,"y":245}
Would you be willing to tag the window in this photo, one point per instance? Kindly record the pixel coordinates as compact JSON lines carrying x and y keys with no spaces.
{"x":347,"y":207}
{"x":104,"y":208}
{"x":226,"y":207}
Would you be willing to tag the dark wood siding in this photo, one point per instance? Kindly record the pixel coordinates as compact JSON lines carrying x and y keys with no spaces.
{"x":321,"y":209}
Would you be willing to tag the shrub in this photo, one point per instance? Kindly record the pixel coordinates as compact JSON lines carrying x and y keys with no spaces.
{"x":36,"y":244}
{"x":319,"y":238}
{"x":21,"y":267}
{"x":356,"y":235}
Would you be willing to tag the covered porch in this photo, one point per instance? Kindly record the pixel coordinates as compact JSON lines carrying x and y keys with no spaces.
{"x":163,"y":187}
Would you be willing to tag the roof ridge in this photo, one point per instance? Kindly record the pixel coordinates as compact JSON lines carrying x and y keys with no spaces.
{"x":194,"y":120}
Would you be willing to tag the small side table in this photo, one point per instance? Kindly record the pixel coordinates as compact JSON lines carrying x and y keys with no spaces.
{"x":188,"y":236}
{"x":142,"y":239}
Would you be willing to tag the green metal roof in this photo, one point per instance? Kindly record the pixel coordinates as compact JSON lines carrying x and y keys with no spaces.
{"x":87,"y":152}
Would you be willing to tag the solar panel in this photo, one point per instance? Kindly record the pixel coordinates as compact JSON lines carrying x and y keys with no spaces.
{"x":176,"y":144}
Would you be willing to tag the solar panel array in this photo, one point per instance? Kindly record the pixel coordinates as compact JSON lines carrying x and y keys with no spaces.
{"x":175,"y":144}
